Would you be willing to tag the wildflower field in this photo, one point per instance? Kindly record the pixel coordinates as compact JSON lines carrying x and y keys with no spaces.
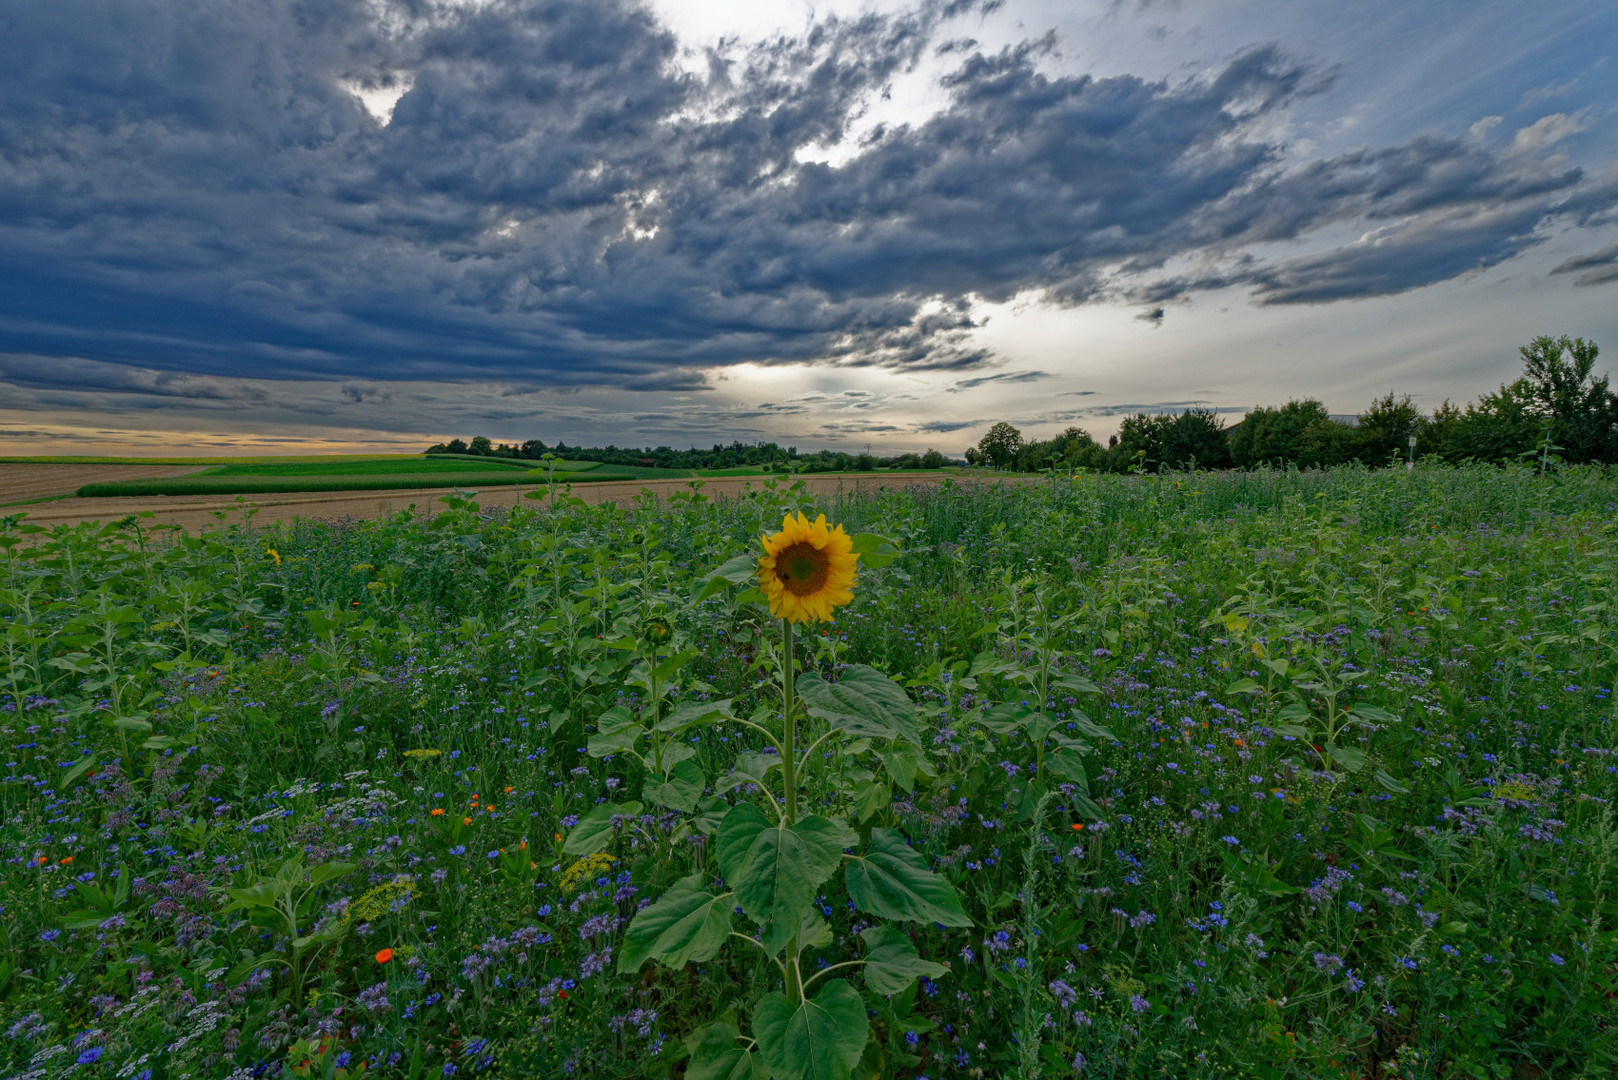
{"x":1262,"y":774}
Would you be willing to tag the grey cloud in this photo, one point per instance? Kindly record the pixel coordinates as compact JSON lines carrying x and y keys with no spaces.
{"x":192,"y":188}
{"x":1600,"y":266}
{"x":943,"y":426}
{"x":1000,"y":377}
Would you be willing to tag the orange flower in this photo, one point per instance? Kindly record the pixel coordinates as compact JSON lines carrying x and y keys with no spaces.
{"x":509,"y":790}
{"x":384,"y":956}
{"x":438,"y":811}
{"x":558,"y":838}
{"x":41,"y":860}
{"x":1077,"y":825}
{"x":474,"y":798}
{"x":466,"y":821}
{"x":67,"y":860}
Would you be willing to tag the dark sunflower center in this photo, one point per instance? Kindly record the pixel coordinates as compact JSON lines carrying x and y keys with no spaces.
{"x":803,"y":568}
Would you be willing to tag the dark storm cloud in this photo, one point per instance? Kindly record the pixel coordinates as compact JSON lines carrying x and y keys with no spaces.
{"x":195,"y":188}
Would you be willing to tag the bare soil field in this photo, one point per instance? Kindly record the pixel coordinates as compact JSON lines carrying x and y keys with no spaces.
{"x":38,"y":481}
{"x":197,"y":512}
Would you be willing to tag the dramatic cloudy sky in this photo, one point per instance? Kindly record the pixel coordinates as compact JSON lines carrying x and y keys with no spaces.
{"x":379,"y":223}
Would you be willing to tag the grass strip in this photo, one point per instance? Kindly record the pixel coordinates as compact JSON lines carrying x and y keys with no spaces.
{"x":269,"y":485}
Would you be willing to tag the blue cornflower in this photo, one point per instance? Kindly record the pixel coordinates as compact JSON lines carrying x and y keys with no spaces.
{"x":1557,"y":960}
{"x":1231,"y":840}
{"x":91,"y":1056}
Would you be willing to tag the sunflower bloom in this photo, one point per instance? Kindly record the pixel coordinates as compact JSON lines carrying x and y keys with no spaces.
{"x":807,"y":569}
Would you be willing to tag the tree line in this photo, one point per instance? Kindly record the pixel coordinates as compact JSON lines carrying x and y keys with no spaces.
{"x":1556,"y":410}
{"x":765,"y":455}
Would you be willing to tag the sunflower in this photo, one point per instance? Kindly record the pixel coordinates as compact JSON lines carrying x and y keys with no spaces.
{"x":807,"y":569}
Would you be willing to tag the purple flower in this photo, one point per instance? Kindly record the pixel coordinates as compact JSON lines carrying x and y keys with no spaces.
{"x":1138,"y":1003}
{"x":91,"y":1056}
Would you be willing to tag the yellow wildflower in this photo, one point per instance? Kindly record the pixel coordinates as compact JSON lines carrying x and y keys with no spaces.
{"x":580,"y":873}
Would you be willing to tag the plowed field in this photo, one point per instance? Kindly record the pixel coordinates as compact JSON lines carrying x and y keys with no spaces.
{"x":36,"y":481}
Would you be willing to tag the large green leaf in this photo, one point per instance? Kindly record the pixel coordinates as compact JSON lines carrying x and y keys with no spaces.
{"x":875,"y":551}
{"x":594,"y":832}
{"x":679,"y":790}
{"x":751,"y":768}
{"x":863,"y":702}
{"x":686,"y":923}
{"x":822,"y":1039}
{"x":689,"y":714}
{"x":1070,"y":767}
{"x":892,"y":881}
{"x":891,"y":961}
{"x":715,"y":1055}
{"x":776,"y":871}
{"x":732,"y":572}
{"x":604,"y":743}
{"x":1349,"y":757}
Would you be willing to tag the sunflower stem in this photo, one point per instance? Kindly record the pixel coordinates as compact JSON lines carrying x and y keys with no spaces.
{"x":789,"y":703}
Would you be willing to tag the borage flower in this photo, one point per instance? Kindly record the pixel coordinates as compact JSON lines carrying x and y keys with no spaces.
{"x":807,"y":569}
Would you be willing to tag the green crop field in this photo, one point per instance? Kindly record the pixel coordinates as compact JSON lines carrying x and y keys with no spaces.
{"x":1255,"y":774}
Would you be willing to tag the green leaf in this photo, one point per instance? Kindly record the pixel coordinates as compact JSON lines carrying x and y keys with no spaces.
{"x":1295,"y":711}
{"x":686,"y":923}
{"x":751,"y":768}
{"x":1388,"y":781}
{"x":331,"y":872}
{"x":1243,"y":686}
{"x":715,"y":1055}
{"x":1078,"y":684}
{"x":870,"y":798}
{"x":901,"y":764}
{"x":1070,"y":767}
{"x":814,"y":932}
{"x":776,"y":871}
{"x":604,"y":743}
{"x":863,"y":702}
{"x":1005,"y":718}
{"x":875,"y":551}
{"x":1089,"y":727}
{"x":75,"y":772}
{"x":615,"y":719}
{"x":690,"y":714}
{"x":679,"y":790}
{"x":731,"y":572}
{"x":1371,"y":713}
{"x":1348,"y":757}
{"x":821,"y":1039}
{"x":892,"y":881}
{"x":594,"y":832}
{"x":891,"y":961}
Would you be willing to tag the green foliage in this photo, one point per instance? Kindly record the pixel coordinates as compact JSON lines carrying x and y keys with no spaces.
{"x":999,"y":447}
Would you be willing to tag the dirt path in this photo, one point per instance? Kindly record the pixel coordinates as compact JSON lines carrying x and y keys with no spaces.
{"x":37,"y":481}
{"x":198,"y":511}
